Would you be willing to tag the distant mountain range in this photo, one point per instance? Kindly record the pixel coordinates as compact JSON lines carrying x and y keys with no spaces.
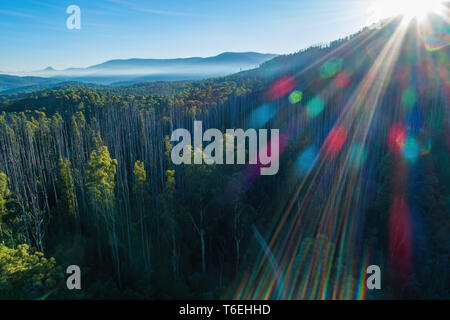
{"x":138,"y":70}
{"x":129,"y":71}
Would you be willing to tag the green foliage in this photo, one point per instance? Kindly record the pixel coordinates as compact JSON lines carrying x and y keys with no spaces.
{"x":140,"y":177}
{"x":170,"y":184}
{"x":168,"y":150}
{"x":10,"y":222}
{"x":167,"y":200}
{"x":25,"y":273}
{"x":66,"y":187}
{"x":4,"y":194}
{"x":101,"y":172}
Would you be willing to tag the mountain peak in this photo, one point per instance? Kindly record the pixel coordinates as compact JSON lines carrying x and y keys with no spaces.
{"x":141,"y":69}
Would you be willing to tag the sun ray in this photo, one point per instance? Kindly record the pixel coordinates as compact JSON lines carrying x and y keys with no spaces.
{"x":409,"y":9}
{"x":335,"y":220}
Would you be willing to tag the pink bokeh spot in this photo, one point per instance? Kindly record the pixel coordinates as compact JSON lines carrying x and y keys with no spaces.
{"x":335,"y":141}
{"x":281,"y":87}
{"x":396,"y":137}
{"x":400,"y":236}
{"x":341,"y":80}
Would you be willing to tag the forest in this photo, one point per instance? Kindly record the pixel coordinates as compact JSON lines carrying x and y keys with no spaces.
{"x":364,"y":178}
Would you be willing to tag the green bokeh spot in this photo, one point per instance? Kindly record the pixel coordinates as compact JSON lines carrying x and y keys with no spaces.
{"x":410,"y":149}
{"x":409,"y":98}
{"x":315,"y":106}
{"x":295,"y":97}
{"x":330,"y":68}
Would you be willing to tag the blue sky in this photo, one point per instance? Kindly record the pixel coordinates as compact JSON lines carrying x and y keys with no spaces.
{"x":34,"y":34}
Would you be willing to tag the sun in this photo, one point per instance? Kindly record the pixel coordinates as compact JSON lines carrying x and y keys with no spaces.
{"x":409,"y":9}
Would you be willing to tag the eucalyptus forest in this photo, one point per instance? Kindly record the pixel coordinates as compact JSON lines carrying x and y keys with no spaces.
{"x":86,"y":179}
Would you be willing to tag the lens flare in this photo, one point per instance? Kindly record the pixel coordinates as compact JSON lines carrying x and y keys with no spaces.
{"x":409,"y":9}
{"x":409,"y":98}
{"x":261,"y":115}
{"x":341,"y":80}
{"x":410,"y":149}
{"x":335,"y":141}
{"x":295,"y":97}
{"x":357,"y":155}
{"x":281,"y":87}
{"x":315,"y":107}
{"x":396,"y":137}
{"x":330,"y":68}
{"x":307,"y":159}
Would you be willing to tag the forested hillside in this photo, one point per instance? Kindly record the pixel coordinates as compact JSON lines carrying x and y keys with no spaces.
{"x":8,"y":82}
{"x":86,"y":179}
